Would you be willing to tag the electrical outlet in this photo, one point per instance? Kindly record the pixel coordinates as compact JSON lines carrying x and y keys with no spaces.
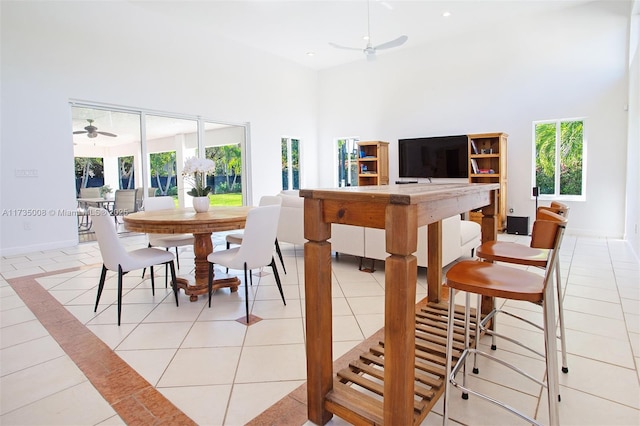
{"x":26,"y":172}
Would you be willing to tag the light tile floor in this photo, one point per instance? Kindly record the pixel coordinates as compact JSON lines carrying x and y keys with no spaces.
{"x":220,"y":372}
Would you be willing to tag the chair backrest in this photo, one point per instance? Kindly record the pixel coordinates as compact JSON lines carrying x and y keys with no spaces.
{"x":270,"y":200}
{"x":556,"y":207}
{"x":124,"y":201}
{"x":139,"y":198}
{"x":112,"y":251}
{"x":549,"y":233}
{"x":259,"y":235}
{"x":159,"y":203}
{"x":560,"y":208}
{"x":92,"y":192}
{"x":545,"y":229}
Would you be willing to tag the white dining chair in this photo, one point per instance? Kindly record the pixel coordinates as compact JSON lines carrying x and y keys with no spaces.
{"x":116,"y":258}
{"x":166,"y":241}
{"x":236,"y":238}
{"x":255,"y":251}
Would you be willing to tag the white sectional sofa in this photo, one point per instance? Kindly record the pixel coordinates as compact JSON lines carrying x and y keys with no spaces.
{"x":459,"y":237}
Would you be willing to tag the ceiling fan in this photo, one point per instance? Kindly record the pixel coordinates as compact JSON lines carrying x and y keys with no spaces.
{"x":370,"y":50}
{"x":92,"y":131}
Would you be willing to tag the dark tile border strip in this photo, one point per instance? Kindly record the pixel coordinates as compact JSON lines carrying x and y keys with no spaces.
{"x":135,"y":400}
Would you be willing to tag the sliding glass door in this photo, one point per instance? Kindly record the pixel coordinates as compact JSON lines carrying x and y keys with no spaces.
{"x":125,"y":148}
{"x":106,"y":147}
{"x":170,"y":141}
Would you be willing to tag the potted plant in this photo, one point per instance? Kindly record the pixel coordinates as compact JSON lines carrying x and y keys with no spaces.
{"x":105,"y":191}
{"x":195,"y":171}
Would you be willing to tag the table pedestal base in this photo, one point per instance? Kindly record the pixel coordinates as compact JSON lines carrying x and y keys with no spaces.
{"x":194,"y":290}
{"x":202,"y":246}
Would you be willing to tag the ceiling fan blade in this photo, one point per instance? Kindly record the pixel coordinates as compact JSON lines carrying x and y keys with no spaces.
{"x":393,"y":43}
{"x":107,"y":134}
{"x":79,"y":132}
{"x":337,"y":46}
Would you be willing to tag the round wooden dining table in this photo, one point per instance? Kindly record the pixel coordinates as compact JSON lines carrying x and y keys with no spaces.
{"x":201,"y":225}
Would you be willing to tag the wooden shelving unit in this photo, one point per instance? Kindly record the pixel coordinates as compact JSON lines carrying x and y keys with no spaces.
{"x":373,"y":163}
{"x":488,"y":164}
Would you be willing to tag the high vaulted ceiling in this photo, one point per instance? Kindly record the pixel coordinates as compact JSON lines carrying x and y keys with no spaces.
{"x":293,"y":29}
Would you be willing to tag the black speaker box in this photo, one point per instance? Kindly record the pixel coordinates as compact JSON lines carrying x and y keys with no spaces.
{"x":518,"y":225}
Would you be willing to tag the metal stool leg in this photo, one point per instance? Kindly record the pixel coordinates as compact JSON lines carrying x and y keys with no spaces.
{"x":449,"y":355}
{"x":563,"y":342}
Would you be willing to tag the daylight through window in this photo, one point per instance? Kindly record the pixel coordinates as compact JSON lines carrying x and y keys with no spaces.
{"x":347,"y":157}
{"x":559,"y":158}
{"x":290,"y":163}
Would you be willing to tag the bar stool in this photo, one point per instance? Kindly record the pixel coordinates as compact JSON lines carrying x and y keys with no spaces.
{"x":492,"y":280}
{"x":536,"y":254}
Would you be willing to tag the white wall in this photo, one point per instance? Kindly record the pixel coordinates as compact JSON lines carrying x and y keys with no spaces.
{"x":115,"y":52}
{"x":633,"y":155}
{"x":500,"y":79}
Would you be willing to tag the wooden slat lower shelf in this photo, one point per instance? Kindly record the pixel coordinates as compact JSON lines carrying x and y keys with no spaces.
{"x":358,"y":390}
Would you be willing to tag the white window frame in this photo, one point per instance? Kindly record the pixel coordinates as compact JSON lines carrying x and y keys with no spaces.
{"x":557,"y":196}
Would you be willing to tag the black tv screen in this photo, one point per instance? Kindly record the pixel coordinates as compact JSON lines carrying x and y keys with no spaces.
{"x":434,"y":157}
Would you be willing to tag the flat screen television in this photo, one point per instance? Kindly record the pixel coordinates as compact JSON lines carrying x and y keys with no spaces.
{"x":434,"y":157}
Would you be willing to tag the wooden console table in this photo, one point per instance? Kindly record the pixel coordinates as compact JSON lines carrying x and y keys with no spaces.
{"x":400,"y":210}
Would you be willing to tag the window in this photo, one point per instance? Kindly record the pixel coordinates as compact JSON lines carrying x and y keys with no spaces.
{"x":290,"y":163}
{"x":89,"y":172}
{"x":163,"y":172}
{"x":227,"y":180}
{"x":347,"y":162}
{"x":560,"y":160}
{"x":126,"y":165}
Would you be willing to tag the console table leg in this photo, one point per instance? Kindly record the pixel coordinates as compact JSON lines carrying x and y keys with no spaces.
{"x":317,"y":279}
{"x":401,"y":275}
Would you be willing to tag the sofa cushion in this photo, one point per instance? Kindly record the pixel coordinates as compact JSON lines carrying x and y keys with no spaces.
{"x":459,"y":236}
{"x":375,"y":247}
{"x":468,"y":231}
{"x":347,"y":239}
{"x":291,"y":223}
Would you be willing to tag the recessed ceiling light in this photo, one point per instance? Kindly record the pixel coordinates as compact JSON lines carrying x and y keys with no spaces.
{"x":446,"y":14}
{"x":311,"y":53}
{"x":365,"y":37}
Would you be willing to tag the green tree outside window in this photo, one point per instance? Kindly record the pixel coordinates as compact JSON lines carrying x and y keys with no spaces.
{"x":559,"y":158}
{"x":163,"y":164}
